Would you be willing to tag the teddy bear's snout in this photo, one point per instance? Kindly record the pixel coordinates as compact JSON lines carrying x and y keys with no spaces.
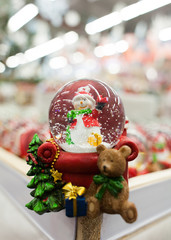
{"x":104,"y":168}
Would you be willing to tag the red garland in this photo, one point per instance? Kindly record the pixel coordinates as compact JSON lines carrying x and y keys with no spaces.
{"x":46,"y":152}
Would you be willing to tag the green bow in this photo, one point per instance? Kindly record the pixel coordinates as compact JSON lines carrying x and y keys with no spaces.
{"x":73,"y":113}
{"x":113,"y":185}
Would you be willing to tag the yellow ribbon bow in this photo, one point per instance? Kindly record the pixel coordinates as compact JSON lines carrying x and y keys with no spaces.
{"x":72,"y":192}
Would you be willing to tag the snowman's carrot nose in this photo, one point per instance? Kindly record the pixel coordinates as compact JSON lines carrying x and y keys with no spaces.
{"x":81,"y":102}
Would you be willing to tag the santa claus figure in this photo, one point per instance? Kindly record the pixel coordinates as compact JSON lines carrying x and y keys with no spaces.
{"x":84,"y":128}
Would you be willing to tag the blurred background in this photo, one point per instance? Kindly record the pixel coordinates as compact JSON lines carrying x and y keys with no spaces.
{"x":46,"y":43}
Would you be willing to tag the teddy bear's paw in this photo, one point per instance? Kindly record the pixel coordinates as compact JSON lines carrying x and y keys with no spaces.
{"x":129,"y":212}
{"x":93,"y":207}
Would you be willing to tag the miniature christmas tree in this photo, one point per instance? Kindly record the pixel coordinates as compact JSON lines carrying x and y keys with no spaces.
{"x":47,"y":183}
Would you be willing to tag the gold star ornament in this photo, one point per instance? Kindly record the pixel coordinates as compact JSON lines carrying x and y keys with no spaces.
{"x":56,"y":175}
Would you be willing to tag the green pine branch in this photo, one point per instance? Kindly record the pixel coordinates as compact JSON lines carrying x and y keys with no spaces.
{"x":38,"y":178}
{"x":34,"y":170}
{"x":34,"y":145}
{"x":35,"y":141}
{"x":54,"y":202}
{"x":37,"y":205}
{"x":43,"y":187}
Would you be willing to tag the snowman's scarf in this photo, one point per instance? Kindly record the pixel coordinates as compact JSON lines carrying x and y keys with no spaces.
{"x":74,"y":113}
{"x":68,"y":136}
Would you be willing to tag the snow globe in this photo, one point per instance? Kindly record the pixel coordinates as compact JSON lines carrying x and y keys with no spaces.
{"x":82,"y":115}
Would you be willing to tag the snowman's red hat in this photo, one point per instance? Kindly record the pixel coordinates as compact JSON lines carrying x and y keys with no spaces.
{"x":84,"y":92}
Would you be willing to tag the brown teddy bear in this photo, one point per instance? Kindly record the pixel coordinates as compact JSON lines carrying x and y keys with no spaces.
{"x":108,"y":193}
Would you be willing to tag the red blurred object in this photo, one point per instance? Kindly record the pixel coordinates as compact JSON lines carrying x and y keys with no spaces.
{"x":165,"y":164}
{"x":132,"y":172}
{"x":145,"y":171}
{"x":24,"y":140}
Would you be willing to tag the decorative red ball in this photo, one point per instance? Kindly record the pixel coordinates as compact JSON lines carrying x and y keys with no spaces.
{"x":46,"y":152}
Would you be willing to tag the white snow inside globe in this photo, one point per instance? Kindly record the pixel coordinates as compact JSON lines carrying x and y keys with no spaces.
{"x":84,"y":114}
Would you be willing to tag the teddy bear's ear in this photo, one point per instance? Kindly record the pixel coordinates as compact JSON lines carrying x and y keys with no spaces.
{"x":125,"y":151}
{"x":100,"y":148}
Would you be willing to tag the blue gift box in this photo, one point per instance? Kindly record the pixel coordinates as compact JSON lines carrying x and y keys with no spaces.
{"x":76,"y":207}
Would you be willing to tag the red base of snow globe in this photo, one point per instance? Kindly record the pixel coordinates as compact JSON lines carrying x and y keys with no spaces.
{"x":79,"y":168}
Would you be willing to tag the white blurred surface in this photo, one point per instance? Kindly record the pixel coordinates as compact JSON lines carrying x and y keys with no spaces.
{"x":155,"y":231}
{"x":14,"y":225}
{"x":140,"y":108}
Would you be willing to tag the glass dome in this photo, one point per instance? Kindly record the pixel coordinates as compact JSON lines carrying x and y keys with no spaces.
{"x":84,"y":114}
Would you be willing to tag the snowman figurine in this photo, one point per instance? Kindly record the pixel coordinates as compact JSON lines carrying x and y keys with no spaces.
{"x":83,"y":132}
{"x":159,"y":149}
